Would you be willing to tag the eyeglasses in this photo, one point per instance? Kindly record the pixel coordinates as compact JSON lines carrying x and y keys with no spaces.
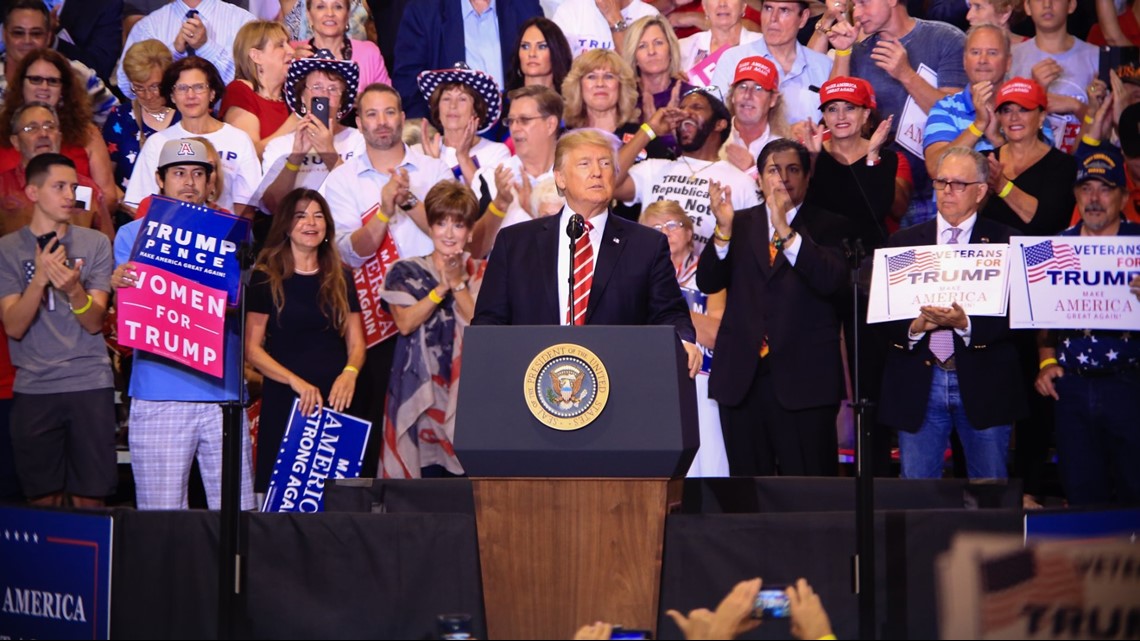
{"x":521,"y":120}
{"x":199,"y":88}
{"x":47,"y":127}
{"x":39,"y":80}
{"x":668,"y":226}
{"x":711,"y":91}
{"x":149,"y":89}
{"x":747,"y":87}
{"x":956,"y":186}
{"x":332,"y":90}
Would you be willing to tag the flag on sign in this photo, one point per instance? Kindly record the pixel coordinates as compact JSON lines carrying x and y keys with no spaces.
{"x":1043,"y":256}
{"x":899,"y":265}
{"x":1011,"y":582}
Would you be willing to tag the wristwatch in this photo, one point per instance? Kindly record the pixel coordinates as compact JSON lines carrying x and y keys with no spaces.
{"x":410,"y":203}
{"x":460,"y":287}
{"x":620,"y":25}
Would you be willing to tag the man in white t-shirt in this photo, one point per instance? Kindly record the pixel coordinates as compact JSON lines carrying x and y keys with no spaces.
{"x":504,"y":189}
{"x":587,"y":27}
{"x":702,"y":130}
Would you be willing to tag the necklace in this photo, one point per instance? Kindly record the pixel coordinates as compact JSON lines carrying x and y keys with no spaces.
{"x":304,"y":273}
{"x":692,"y":179}
{"x":160,"y":116}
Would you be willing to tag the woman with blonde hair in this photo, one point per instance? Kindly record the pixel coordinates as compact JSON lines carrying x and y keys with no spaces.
{"x":652,"y":50}
{"x":600,"y":92}
{"x":255,"y":100}
{"x":129,"y":124}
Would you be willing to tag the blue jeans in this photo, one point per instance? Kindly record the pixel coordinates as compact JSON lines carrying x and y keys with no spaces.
{"x":1098,"y":437}
{"x":922,"y":453}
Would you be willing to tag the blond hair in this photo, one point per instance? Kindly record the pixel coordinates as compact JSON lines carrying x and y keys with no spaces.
{"x":253,"y":35}
{"x":574,"y":112}
{"x":669,"y":208}
{"x":143,"y":57}
{"x":633,"y":38}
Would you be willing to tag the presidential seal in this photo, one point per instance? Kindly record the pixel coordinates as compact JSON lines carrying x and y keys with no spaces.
{"x":566,"y":387}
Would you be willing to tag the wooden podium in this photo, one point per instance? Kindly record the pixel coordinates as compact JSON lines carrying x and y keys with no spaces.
{"x":571,"y":522}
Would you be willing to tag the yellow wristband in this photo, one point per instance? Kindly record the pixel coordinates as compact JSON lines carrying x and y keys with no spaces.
{"x":384,"y":219}
{"x":977,"y":132}
{"x":827,"y":637}
{"x":495,"y":210}
{"x":84,"y":308}
{"x":1089,"y":140}
{"x":839,"y":53}
{"x":350,"y":368}
{"x":435,"y":298}
{"x":719,"y":235}
{"x":1047,"y":362}
{"x":291,"y":167}
{"x":1088,"y":119}
{"x":1005,"y":190}
{"x":649,"y":131}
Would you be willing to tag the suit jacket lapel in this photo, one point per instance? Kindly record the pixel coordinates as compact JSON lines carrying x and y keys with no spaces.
{"x":547,"y":249}
{"x":928,"y":233}
{"x":608,"y":252}
{"x":758,"y":236}
{"x":979,"y":234}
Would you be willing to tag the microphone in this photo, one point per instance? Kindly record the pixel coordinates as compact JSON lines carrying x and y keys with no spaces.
{"x":574,"y":229}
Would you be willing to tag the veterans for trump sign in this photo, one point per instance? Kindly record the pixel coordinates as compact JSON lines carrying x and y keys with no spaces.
{"x":186,"y":260}
{"x":1074,"y":282}
{"x":907,"y":278}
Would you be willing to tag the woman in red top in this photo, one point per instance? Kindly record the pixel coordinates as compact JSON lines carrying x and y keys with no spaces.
{"x":255,"y":100}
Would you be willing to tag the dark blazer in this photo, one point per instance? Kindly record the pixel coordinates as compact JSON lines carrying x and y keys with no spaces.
{"x":989,"y":377}
{"x":794,"y":306}
{"x":431,"y":37}
{"x":634,"y":281}
{"x":97,"y":30}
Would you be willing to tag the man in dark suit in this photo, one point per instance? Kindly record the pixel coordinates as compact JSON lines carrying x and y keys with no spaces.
{"x":92,"y":33}
{"x":633,"y":283}
{"x":431,"y":36}
{"x":947,"y":371}
{"x":777,"y":371}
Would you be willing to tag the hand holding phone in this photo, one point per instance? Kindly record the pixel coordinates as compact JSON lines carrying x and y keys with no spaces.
{"x":47,"y":238}
{"x":320,"y":109}
{"x":772,"y":603}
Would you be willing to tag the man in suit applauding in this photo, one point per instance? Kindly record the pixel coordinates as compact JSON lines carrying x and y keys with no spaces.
{"x":777,"y":371}
{"x":623,"y":275}
{"x":945,"y":369}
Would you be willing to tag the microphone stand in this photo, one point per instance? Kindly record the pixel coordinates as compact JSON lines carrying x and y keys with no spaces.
{"x":229,"y":544}
{"x":864,"y":468}
{"x":574,"y":229}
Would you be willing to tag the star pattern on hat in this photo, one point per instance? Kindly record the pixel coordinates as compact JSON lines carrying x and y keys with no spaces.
{"x":322,"y":60}
{"x":482,"y":83}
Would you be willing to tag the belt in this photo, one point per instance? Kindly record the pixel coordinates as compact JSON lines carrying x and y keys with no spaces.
{"x":948,"y":365}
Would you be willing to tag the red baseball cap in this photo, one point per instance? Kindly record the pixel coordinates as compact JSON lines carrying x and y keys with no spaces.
{"x":853,"y":90}
{"x":759,"y":70}
{"x":1022,"y":91}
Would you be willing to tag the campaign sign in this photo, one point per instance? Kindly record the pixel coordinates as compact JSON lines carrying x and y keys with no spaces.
{"x":1074,"y":282}
{"x":175,"y":317}
{"x":192,"y":241}
{"x":55,"y":575}
{"x":369,"y":279}
{"x":314,"y":449}
{"x":701,"y":73}
{"x":907,"y":278}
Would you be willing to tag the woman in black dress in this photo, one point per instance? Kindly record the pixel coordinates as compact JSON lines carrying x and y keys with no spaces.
{"x":303,"y":329}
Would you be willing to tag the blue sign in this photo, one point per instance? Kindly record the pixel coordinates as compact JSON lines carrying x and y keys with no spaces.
{"x":55,"y":575}
{"x":192,"y":241}
{"x":698,"y":302}
{"x":315,"y":449}
{"x":1082,"y":525}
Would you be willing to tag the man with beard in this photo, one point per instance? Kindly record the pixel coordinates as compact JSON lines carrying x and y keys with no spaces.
{"x":702,"y":127}
{"x":1094,"y":374}
{"x":401,"y":176}
{"x":175,"y":409}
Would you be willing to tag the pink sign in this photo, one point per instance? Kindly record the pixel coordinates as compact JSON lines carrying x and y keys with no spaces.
{"x":173,"y":317}
{"x":701,"y":74}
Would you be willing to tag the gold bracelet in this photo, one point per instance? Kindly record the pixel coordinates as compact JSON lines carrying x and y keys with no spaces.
{"x":434,"y":297}
{"x":720,"y":236}
{"x":1047,"y":362}
{"x":839,"y":53}
{"x":499,"y":213}
{"x":1005,"y":191}
{"x":1089,"y":140}
{"x":648,"y":131}
{"x":977,"y":132}
{"x":350,"y":368}
{"x":84,"y":308}
{"x":291,"y":167}
{"x":384,"y":219}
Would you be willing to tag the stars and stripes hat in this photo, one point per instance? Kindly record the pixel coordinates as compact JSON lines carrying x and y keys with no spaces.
{"x":483,"y":84}
{"x":1106,"y":164}
{"x":322,"y":60}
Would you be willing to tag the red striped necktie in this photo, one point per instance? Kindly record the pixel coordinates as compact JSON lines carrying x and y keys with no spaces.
{"x":583,"y":277}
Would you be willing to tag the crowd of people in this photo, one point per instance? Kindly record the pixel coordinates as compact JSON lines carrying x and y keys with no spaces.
{"x":451,"y":145}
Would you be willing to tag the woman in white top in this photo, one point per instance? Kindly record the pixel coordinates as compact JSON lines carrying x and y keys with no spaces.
{"x":462,"y":103}
{"x":725,"y":20}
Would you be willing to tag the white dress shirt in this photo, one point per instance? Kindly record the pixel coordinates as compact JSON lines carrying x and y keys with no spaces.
{"x":595,"y":234}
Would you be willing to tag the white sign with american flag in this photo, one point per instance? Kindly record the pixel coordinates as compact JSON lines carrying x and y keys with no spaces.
{"x":1074,"y":282}
{"x":907,"y":278}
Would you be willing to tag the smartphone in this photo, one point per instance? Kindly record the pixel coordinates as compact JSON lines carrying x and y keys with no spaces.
{"x":622,"y":633}
{"x":48,"y":238}
{"x":320,"y":107}
{"x":83,"y":196}
{"x":772,"y":603}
